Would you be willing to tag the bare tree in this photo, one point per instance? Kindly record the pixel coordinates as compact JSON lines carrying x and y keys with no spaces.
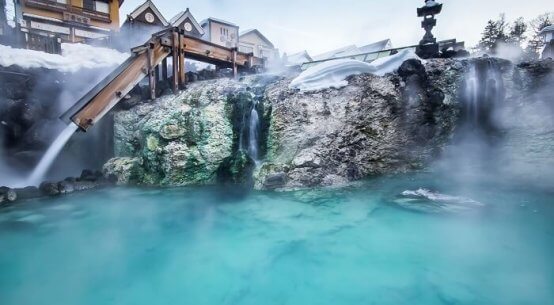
{"x":536,"y":43}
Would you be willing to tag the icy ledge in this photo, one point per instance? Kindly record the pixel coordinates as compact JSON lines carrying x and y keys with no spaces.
{"x":333,"y":74}
{"x":74,"y":58}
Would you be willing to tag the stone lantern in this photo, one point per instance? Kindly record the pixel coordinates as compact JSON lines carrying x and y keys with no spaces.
{"x":428,"y":46}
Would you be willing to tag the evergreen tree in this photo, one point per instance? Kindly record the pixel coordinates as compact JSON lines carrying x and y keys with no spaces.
{"x":494,"y":33}
{"x":517,"y":32}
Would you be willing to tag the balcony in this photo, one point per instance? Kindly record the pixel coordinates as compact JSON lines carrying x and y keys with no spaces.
{"x":53,"y":5}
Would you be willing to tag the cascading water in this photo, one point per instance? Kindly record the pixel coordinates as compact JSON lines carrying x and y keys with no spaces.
{"x":51,"y":154}
{"x":483,"y":92}
{"x":253,"y":132}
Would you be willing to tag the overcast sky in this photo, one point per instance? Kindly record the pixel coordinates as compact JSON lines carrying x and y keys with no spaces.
{"x":319,"y":25}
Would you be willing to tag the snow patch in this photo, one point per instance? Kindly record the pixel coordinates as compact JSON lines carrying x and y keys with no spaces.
{"x":333,"y":73}
{"x":431,"y":3}
{"x":74,"y":58}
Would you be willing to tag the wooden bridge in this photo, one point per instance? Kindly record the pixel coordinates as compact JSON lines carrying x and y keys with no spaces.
{"x":145,"y":61}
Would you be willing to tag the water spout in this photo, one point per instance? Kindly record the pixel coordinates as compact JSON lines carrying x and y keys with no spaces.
{"x":50,"y":156}
{"x":253,"y":133}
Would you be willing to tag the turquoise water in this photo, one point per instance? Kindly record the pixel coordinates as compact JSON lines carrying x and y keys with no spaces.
{"x":337,"y":246}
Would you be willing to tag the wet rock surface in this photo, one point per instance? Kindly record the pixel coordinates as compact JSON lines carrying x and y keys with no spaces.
{"x":181,"y":140}
{"x":375,"y":125}
{"x":88,"y":180}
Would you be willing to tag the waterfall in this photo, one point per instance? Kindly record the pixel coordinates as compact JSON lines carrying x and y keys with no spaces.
{"x":483,"y":91}
{"x":51,"y":154}
{"x":253,"y":132}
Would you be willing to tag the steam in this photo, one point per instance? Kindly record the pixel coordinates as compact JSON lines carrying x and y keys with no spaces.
{"x":506,"y":131}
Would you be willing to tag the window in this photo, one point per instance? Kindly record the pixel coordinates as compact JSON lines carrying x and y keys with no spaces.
{"x":62,"y":1}
{"x":99,"y":6}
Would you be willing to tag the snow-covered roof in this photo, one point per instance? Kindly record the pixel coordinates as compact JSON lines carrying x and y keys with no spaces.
{"x":256,"y":32}
{"x":148,"y":4}
{"x":431,"y":3}
{"x":354,"y":50}
{"x":219,"y":21}
{"x":74,"y":57}
{"x":299,"y":58}
{"x":335,"y":53}
{"x":549,"y":28}
{"x":376,"y":46}
{"x":182,"y":16}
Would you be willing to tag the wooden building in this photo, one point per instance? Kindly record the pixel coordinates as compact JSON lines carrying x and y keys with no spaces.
{"x":221,"y":32}
{"x":547,"y":34}
{"x":186,"y":21}
{"x":139,"y":26}
{"x":252,"y":41}
{"x":66,"y":20}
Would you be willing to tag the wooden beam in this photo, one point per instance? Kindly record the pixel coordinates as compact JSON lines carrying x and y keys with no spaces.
{"x":182,"y":69}
{"x":165,"y":75}
{"x":151,"y":73}
{"x":109,"y":95}
{"x":234,"y":61}
{"x":175,"y":62}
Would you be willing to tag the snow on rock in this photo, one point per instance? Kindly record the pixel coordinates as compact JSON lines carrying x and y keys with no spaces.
{"x":330,"y":74}
{"x":333,"y":74}
{"x":74,"y":58}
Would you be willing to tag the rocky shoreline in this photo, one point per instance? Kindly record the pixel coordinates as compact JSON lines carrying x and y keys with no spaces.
{"x":88,"y":180}
{"x":396,"y":123}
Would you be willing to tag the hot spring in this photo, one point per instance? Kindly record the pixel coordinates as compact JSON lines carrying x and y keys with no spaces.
{"x":355,"y":245}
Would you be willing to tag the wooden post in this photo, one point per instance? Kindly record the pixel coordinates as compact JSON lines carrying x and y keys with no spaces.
{"x":182,"y":80}
{"x":151,"y":73}
{"x":235,"y":71}
{"x":164,"y":69}
{"x":175,"y":62}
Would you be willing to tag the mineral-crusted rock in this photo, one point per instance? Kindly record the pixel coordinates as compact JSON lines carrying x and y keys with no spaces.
{"x":127,"y":170}
{"x":375,"y":125}
{"x":180,"y":140}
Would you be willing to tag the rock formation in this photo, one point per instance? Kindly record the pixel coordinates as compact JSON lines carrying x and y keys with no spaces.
{"x":375,"y":125}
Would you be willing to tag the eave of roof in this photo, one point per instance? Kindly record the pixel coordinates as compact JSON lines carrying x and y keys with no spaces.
{"x":255,"y":31}
{"x":179,"y":18}
{"x":221,"y":21}
{"x":149,"y":4}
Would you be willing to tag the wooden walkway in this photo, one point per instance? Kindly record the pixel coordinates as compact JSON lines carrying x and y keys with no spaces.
{"x":145,"y":62}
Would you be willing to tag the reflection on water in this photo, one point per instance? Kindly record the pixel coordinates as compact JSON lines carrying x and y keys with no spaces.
{"x":331,"y":246}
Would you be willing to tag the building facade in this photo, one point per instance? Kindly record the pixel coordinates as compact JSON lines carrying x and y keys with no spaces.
{"x":547,"y":35}
{"x":139,"y":26}
{"x":221,"y":32}
{"x":252,"y":41}
{"x":67,"y":20}
{"x":186,"y":22}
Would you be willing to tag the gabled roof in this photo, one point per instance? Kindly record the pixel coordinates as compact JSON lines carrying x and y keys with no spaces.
{"x":376,"y":46}
{"x":182,"y":16}
{"x":352,"y":50}
{"x":549,"y":28}
{"x":335,"y":53}
{"x":256,"y":32}
{"x":298,"y":58}
{"x":219,"y":21}
{"x":121,"y":2}
{"x":148,"y":4}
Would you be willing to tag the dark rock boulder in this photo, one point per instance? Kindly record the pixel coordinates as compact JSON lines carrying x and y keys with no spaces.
{"x":30,"y":192}
{"x":7,"y":195}
{"x":49,"y":188}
